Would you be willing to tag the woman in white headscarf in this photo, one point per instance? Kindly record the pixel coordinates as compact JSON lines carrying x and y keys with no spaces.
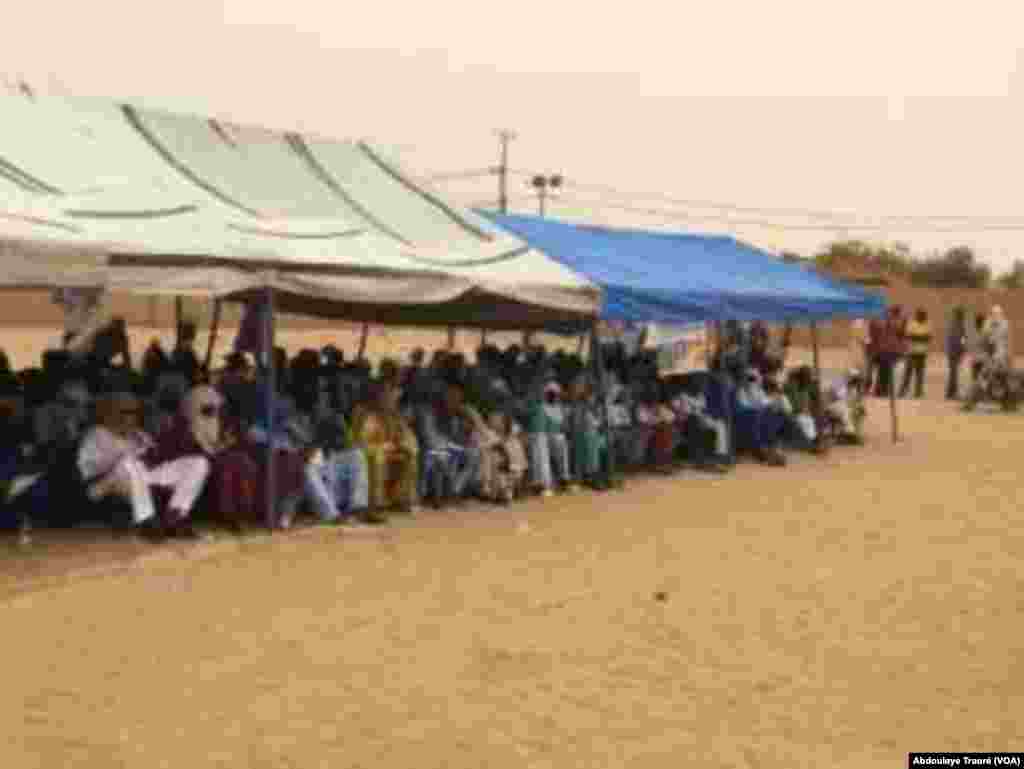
{"x":198,"y":430}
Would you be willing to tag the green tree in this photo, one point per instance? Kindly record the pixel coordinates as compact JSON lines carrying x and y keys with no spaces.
{"x":1014,"y":278}
{"x":956,"y":268}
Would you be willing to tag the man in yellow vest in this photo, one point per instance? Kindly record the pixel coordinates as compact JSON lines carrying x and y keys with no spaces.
{"x":919,"y":337}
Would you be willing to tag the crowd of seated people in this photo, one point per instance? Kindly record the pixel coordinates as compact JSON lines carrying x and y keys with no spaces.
{"x":87,"y":438}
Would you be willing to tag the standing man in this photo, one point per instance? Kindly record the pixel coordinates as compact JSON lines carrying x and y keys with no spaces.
{"x":919,"y":338}
{"x":889,"y":344}
{"x":956,"y":348}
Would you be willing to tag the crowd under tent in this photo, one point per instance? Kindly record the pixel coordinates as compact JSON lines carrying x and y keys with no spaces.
{"x":115,"y":197}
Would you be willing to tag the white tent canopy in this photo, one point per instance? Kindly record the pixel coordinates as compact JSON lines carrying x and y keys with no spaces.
{"x":95,"y":194}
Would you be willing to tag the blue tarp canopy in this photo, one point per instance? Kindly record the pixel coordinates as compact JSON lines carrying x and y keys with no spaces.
{"x":681,"y":278}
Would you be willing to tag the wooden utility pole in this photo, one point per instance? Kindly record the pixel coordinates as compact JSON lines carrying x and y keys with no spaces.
{"x":505,"y":136}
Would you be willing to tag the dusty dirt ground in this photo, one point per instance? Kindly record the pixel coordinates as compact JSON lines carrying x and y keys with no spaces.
{"x":840,"y":612}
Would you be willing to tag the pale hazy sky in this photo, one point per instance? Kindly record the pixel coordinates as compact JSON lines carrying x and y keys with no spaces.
{"x":876,"y":108}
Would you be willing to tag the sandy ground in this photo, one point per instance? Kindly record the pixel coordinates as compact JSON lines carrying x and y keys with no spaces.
{"x":841,"y":612}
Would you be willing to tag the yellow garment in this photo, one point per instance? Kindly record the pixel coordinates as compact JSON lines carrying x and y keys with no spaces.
{"x":919,"y":335}
{"x":392,"y":455}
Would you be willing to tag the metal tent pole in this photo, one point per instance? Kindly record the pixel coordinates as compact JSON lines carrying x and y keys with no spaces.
{"x":892,"y":411}
{"x":270,"y":396}
{"x":816,"y":350}
{"x":179,"y":314}
{"x":363,"y":339}
{"x":597,"y":358}
{"x":214,"y":328}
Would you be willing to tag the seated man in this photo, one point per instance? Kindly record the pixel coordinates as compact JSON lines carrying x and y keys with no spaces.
{"x":392,"y":451}
{"x":448,"y":430}
{"x":666,"y":437}
{"x":844,"y":407}
{"x":706,"y":436}
{"x":512,"y":462}
{"x":547,"y":441}
{"x":759,"y":421}
{"x":113,"y":461}
{"x":620,"y":417}
{"x":336,"y":475}
{"x":291,"y":468}
{"x":645,"y":417}
{"x":797,"y":400}
{"x":19,"y":468}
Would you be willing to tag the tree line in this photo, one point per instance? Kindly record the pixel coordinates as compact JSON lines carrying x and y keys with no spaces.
{"x":958,"y":267}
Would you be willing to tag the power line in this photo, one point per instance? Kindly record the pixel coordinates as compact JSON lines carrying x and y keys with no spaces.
{"x":829,"y":219}
{"x":457,"y":175}
{"x":801,"y":212}
{"x":808,"y":213}
{"x":675,"y":215}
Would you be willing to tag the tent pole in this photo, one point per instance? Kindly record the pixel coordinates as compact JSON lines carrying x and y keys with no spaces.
{"x":597,"y":359}
{"x":892,"y":411}
{"x":579,"y":345}
{"x":451,"y":339}
{"x":722,"y":378}
{"x":270,"y":395}
{"x":483,"y":337}
{"x":363,"y":339}
{"x":179,"y":312}
{"x":815,"y":349}
{"x":214,"y":328}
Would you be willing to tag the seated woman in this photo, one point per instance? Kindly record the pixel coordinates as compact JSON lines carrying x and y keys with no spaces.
{"x":115,"y":461}
{"x":231,"y":492}
{"x":547,"y":441}
{"x":391,"y":449}
{"x":587,"y":439}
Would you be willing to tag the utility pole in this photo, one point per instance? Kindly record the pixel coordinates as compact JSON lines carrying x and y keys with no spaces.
{"x":544,"y":185}
{"x":505,"y":136}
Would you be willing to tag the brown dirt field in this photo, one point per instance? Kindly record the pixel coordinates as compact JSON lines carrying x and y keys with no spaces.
{"x":841,"y":612}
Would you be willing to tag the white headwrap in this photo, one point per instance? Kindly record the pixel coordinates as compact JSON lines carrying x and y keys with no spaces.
{"x":205,"y":427}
